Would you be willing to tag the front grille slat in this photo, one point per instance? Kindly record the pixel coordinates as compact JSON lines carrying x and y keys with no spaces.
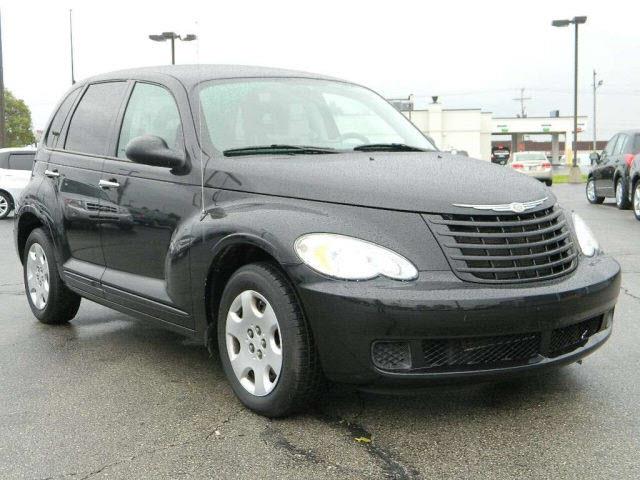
{"x":507,"y":248}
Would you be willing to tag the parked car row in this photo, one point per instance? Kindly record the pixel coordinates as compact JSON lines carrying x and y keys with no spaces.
{"x":15,"y":171}
{"x":615,"y":172}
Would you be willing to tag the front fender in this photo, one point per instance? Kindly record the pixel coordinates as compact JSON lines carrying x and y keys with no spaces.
{"x":274,"y":223}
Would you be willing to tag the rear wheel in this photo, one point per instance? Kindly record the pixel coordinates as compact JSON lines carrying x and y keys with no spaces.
{"x":549,"y":182}
{"x":622,"y":196}
{"x":265,"y":344}
{"x":592,"y":196}
{"x":6,"y":204}
{"x":50,"y":300}
{"x":636,"y":200}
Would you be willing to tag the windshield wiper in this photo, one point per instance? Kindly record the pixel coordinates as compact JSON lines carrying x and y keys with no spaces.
{"x":388,"y":147}
{"x":287,"y":149}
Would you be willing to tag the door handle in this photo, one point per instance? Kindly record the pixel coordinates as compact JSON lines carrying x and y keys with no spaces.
{"x":108,"y":184}
{"x":52,"y":173}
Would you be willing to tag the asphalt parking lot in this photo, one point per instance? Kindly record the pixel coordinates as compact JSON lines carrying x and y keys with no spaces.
{"x":112,"y":397}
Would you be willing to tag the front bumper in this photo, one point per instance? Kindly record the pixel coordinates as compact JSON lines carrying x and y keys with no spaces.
{"x":348,"y":318}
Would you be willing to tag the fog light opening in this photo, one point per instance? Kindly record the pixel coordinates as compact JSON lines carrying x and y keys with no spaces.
{"x":391,"y":355}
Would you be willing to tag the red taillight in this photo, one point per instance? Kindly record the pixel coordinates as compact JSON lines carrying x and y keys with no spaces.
{"x":517,"y":166}
{"x":546,"y":165}
{"x":628,"y":159}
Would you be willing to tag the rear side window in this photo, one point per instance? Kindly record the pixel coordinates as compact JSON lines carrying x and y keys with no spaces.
{"x":611,"y":145}
{"x":151,"y":111}
{"x":622,"y":143}
{"x":636,"y":145}
{"x":58,"y":120}
{"x":90,"y":128}
{"x":21,"y":161}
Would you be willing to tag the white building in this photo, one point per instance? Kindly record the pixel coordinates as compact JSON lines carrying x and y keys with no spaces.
{"x":472,"y":129}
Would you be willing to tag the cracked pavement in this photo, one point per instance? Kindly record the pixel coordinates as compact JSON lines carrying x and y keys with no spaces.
{"x":112,"y":397}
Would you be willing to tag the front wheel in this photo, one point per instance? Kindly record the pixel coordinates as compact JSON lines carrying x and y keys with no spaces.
{"x":50,"y":300}
{"x":592,"y":196}
{"x":636,"y":200}
{"x":266,"y":346}
{"x":622,"y":197}
{"x":6,"y":205}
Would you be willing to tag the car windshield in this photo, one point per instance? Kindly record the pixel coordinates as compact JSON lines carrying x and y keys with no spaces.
{"x":273,"y":113}
{"x":530,"y":157}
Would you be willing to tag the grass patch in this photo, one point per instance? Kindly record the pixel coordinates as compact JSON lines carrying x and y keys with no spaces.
{"x":565,"y":179}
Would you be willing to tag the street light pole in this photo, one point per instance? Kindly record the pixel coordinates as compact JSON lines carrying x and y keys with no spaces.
{"x":2,"y":123}
{"x":172,"y":36}
{"x":596,"y":84}
{"x":574,"y":171}
{"x":73,"y":78}
{"x":575,"y":101}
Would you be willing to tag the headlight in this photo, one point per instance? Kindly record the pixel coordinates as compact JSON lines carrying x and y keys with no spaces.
{"x":349,"y":258}
{"x":587,"y":240}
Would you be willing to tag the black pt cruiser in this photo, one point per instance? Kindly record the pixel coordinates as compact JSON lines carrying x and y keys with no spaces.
{"x":303,"y":228}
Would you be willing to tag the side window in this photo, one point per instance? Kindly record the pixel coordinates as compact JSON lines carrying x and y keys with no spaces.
{"x":636,"y":145}
{"x":151,"y":111}
{"x":58,"y":120}
{"x":611,"y":145}
{"x":91,"y":125}
{"x":21,"y":161}
{"x":622,"y":143}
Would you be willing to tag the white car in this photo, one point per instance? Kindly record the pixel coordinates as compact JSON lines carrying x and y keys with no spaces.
{"x":534,"y":164}
{"x":15,"y":172}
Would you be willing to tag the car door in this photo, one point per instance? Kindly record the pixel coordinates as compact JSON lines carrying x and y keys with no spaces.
{"x":602,"y":170}
{"x":617,"y":160}
{"x":74,"y":172}
{"x":151,"y":202}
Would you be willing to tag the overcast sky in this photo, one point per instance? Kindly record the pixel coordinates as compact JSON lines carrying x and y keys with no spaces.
{"x":475,"y":54}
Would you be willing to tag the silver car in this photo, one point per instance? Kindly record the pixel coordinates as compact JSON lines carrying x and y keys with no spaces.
{"x":534,"y":164}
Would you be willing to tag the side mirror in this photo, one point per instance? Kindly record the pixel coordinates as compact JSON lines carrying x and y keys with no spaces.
{"x":594,"y":157}
{"x":153,"y":150}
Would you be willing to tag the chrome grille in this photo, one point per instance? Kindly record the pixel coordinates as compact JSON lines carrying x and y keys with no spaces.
{"x":506,"y":248}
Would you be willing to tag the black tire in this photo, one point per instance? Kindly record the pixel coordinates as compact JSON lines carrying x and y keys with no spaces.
{"x":5,"y":199}
{"x":300,"y":378}
{"x":549,"y":182}
{"x":623,"y":203}
{"x":595,"y":199}
{"x":62,"y":304}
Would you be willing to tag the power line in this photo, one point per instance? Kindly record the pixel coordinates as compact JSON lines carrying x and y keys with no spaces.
{"x":521,"y":99}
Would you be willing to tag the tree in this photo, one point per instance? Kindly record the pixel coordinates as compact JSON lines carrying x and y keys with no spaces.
{"x":18,"y":131}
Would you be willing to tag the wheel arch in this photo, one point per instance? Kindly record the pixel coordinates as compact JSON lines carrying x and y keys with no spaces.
{"x":230,"y":254}
{"x":7,"y":193}
{"x":28,"y":221}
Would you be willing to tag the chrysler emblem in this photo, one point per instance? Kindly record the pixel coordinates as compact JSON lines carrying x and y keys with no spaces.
{"x":515,"y":207}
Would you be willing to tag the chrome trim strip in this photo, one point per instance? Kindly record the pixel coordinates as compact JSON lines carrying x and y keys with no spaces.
{"x":516,"y":207}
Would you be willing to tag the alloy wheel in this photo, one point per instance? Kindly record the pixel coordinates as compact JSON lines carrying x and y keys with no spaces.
{"x":619,"y":193}
{"x":38,"y":276}
{"x":636,"y":200}
{"x":591,"y":191}
{"x":254,"y":343}
{"x":4,"y":206}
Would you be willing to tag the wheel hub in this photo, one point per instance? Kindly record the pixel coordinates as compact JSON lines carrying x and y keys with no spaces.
{"x":37,"y":276}
{"x":253,"y":343}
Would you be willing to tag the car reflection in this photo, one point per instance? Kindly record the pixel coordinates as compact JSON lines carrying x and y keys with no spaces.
{"x":89,"y":205}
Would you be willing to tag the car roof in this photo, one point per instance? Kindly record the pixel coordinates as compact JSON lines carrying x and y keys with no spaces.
{"x":190,"y":75}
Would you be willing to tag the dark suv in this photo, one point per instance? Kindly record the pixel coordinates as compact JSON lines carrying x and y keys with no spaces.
{"x":304,"y":229}
{"x":610,"y":172}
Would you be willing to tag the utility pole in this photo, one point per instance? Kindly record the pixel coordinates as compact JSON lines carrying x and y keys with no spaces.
{"x":596,"y":85}
{"x":2,"y":125}
{"x":521,"y":99}
{"x":73,"y":78}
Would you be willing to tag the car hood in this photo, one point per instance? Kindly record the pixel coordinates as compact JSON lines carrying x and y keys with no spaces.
{"x":428,"y":182}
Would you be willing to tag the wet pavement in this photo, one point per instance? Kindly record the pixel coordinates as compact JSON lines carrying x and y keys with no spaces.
{"x":111,"y":397}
